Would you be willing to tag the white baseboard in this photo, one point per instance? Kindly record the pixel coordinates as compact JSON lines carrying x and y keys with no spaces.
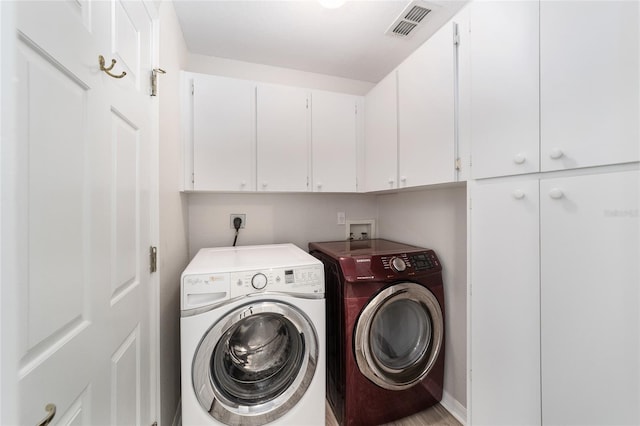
{"x":456,"y":409}
{"x":177,"y":418}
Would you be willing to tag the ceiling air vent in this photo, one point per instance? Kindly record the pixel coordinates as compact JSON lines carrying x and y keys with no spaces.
{"x":408,"y":20}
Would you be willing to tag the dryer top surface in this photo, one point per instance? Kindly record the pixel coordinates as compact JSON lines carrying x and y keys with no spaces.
{"x":356,"y":248}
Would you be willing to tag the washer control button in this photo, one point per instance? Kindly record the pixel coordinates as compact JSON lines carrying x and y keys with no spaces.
{"x":397,"y":264}
{"x":259,"y":281}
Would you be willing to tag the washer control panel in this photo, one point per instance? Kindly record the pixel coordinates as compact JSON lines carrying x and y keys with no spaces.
{"x":299,"y":280}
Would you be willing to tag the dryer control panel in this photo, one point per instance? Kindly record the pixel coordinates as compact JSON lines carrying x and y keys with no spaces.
{"x":391,"y":266}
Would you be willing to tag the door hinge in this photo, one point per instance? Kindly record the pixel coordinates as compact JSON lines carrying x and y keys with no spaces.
{"x":193,"y":89}
{"x":193,"y":178}
{"x":458,"y":164}
{"x":153,"y":259}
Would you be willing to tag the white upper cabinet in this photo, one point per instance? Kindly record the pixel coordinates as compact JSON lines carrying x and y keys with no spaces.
{"x":504,"y":88}
{"x":381,"y":135}
{"x":334,"y":137}
{"x":426,"y":112}
{"x":223,"y":133}
{"x":554,"y":85}
{"x":283,"y":138}
{"x":589,"y":83}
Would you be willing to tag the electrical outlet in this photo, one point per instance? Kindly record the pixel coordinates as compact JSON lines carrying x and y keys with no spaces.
{"x":341,"y":218}
{"x":241,"y":216}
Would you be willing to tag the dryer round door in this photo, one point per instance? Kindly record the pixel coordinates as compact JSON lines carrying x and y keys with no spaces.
{"x":256,"y":362}
{"x":398,"y":336}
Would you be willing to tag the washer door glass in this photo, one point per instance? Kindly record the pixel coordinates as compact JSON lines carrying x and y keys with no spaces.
{"x":398,"y":336}
{"x":257,"y":361}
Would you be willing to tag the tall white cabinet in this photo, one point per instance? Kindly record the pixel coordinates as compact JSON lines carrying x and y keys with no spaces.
{"x":505,"y":296}
{"x":554,"y":224}
{"x":590,"y":299}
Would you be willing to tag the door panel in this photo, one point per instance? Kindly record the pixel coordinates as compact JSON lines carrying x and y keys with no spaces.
{"x":82,"y":213}
{"x":55,"y":194}
{"x":125,"y":381}
{"x":124,"y":223}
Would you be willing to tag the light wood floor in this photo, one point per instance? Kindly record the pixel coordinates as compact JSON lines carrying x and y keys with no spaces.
{"x":436,"y":416}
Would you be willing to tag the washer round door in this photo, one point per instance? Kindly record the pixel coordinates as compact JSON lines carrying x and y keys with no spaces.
{"x":398,"y":336}
{"x":255,"y":363}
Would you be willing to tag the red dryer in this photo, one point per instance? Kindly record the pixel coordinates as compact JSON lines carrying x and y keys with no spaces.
{"x":385,"y":329}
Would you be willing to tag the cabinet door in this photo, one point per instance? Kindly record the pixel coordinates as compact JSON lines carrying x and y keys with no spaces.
{"x":283,"y":138}
{"x":590,"y":299}
{"x":426,"y":112}
{"x":333,"y":141}
{"x":504,"y":304}
{"x":223,"y":134}
{"x":589,"y":85}
{"x":504,"y":88}
{"x":381,"y":135}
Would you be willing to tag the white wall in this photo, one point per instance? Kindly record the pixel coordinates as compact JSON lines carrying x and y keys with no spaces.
{"x":172,"y":250}
{"x":265,"y":73}
{"x":273,"y":218}
{"x":437,"y":219}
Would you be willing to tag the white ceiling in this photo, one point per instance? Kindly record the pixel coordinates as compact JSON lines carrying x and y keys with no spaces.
{"x":347,"y":42}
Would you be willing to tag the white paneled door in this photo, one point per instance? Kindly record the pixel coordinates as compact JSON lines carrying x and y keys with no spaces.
{"x":82,"y":215}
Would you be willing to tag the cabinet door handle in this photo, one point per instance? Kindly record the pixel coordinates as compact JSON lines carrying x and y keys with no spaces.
{"x":264,"y":184}
{"x":556,"y":153}
{"x":518,"y":194}
{"x":403,"y":179}
{"x":391,"y":180}
{"x":519,"y":158}
{"x":556,"y":193}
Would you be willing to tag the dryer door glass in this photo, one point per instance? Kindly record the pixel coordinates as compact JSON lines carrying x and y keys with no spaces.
{"x":398,"y":336}
{"x":257,"y":361}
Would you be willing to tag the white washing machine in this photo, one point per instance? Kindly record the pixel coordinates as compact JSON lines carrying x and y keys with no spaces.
{"x":253,"y":337}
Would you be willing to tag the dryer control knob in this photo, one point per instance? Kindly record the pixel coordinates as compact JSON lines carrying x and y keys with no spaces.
{"x":259,"y":281}
{"x":398,"y":264}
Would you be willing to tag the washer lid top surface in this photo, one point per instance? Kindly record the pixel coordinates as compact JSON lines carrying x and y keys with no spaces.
{"x":243,"y":258}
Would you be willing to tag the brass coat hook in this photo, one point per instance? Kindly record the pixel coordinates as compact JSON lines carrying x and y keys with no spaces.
{"x":51,"y":413}
{"x":105,"y":69}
